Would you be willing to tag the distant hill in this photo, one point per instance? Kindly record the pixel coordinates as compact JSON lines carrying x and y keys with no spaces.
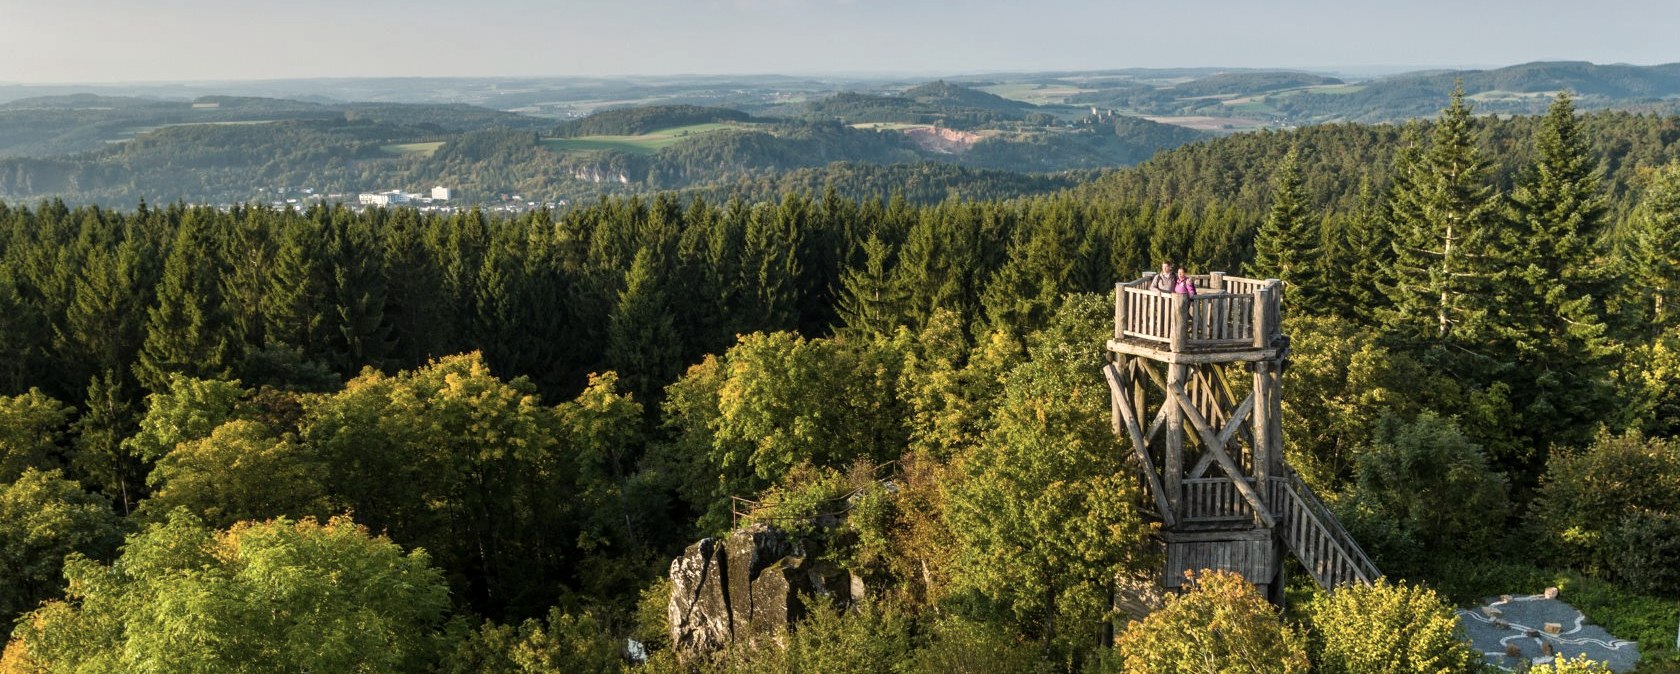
{"x":944,"y":94}
{"x":639,"y":120}
{"x":67,"y":124}
{"x":1249,"y":83}
{"x":938,"y":102}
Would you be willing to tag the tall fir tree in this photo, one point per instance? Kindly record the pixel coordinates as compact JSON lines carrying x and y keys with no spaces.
{"x":643,"y":345}
{"x":1356,"y":250}
{"x":1287,"y":246}
{"x":185,"y":330}
{"x":871,"y":301}
{"x":104,"y":323}
{"x":100,"y":459}
{"x":293,"y":313}
{"x":1444,"y":212}
{"x":1656,"y":248}
{"x":1554,"y":286}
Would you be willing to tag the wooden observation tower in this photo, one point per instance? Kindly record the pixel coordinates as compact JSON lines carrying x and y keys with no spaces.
{"x":1194,"y":383}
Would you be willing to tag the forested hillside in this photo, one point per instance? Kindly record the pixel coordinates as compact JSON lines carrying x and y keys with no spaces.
{"x":328,"y":440}
{"x":264,"y":151}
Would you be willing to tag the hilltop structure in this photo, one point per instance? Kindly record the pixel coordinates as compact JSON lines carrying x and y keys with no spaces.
{"x":1195,"y":390}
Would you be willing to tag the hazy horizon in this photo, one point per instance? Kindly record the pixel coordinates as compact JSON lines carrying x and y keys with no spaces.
{"x":102,"y":42}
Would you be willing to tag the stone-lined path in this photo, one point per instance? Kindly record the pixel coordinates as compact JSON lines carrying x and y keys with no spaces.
{"x":1521,"y":621}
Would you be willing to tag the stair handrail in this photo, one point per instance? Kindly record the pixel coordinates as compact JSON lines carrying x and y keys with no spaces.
{"x":1333,"y":526}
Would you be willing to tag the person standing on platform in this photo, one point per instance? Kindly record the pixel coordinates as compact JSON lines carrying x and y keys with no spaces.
{"x":1165,"y":280}
{"x":1184,"y":285}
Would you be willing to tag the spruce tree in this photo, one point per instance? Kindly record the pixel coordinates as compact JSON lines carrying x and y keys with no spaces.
{"x":185,"y":330}
{"x":1656,"y":249}
{"x":1552,"y":317}
{"x":871,"y":302}
{"x":1287,"y":247}
{"x":104,"y":323}
{"x":1443,"y":210}
{"x":1356,"y":250}
{"x":100,"y":459}
{"x":642,"y":341}
{"x":293,"y":314}
{"x":1555,"y":281}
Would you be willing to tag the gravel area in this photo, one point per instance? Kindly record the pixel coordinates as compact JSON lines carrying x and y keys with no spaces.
{"x":1521,"y":620}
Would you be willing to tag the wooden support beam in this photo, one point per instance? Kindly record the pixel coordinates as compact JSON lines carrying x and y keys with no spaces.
{"x":1123,"y":406}
{"x":1206,"y":433}
{"x":1173,"y":462}
{"x":1119,"y":310}
{"x":1226,"y":435}
{"x":1264,"y":461}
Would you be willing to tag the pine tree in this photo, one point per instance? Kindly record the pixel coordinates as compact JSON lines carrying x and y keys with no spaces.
{"x":293,"y":315}
{"x":642,"y":341}
{"x":1552,"y":318}
{"x":1443,"y":210}
{"x":1656,"y":249}
{"x":1356,"y":250}
{"x":1287,"y":245}
{"x":871,"y":302}
{"x":100,"y":459}
{"x":185,"y":329}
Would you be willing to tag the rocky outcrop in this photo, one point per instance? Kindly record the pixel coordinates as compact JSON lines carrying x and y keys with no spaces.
{"x":747,"y":587}
{"x":943,"y":141}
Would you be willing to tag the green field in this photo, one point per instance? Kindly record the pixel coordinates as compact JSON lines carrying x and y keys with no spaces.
{"x":405,"y":149}
{"x":647,"y":143}
{"x":1035,"y":93}
{"x":890,"y":126}
{"x":137,"y":130}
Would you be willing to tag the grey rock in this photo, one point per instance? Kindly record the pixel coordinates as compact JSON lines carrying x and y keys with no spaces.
{"x":748,"y":587}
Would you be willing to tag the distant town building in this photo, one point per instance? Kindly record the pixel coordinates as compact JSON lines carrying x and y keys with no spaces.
{"x":441,"y":193}
{"x":386,"y":198}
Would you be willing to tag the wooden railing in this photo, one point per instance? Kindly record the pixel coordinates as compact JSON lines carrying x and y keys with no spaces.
{"x":1315,"y":536}
{"x":1214,"y":500}
{"x":1309,"y":529}
{"x":1227,"y":312}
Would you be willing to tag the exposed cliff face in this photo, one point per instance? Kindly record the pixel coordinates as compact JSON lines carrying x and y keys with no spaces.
{"x":747,"y":587}
{"x":943,"y":141}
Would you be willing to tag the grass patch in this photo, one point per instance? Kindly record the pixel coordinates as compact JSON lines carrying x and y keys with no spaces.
{"x":406,"y":149}
{"x":646,"y":143}
{"x":1034,"y":92}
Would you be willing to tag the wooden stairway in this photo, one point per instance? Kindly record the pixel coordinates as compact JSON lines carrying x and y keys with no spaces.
{"x":1315,"y":537}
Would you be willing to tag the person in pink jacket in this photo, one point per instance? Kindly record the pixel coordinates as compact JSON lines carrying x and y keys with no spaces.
{"x":1184,"y":285}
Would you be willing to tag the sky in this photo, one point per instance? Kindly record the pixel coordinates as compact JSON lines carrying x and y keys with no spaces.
{"x":86,"y":41}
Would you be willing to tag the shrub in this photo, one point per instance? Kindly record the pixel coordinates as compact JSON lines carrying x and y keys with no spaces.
{"x":1644,"y":550}
{"x":1580,"y":665}
{"x":1222,"y":619}
{"x":1584,"y":496}
{"x":1433,"y":483}
{"x":1386,"y":628}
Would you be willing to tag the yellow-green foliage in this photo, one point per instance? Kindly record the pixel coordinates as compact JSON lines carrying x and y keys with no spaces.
{"x":1388,"y":629}
{"x":1580,"y":665}
{"x":1585,"y":495}
{"x":1220,"y":625}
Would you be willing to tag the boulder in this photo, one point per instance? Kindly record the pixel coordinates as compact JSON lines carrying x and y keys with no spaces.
{"x":699,"y":612}
{"x":748,"y":587}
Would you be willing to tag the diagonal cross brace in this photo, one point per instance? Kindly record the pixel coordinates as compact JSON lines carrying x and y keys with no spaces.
{"x":1217,"y":449}
{"x":1120,"y":402}
{"x":1232,"y":426}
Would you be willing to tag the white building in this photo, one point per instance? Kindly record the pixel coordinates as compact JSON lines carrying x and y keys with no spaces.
{"x":440,"y":193}
{"x":386,"y":198}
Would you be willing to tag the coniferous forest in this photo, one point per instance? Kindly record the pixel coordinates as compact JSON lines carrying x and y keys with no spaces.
{"x":331,"y":441}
